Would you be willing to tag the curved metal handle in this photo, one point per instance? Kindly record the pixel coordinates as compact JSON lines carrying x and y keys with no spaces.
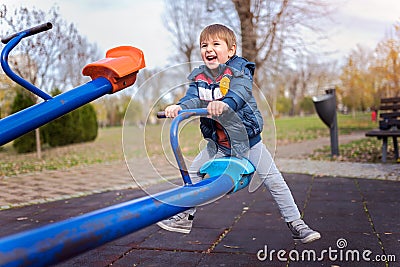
{"x":28,"y":32}
{"x":174,"y":138}
{"x":11,"y":42}
{"x":161,"y":115}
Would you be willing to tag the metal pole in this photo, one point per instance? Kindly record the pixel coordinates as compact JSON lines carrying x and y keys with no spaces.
{"x":334,"y":127}
{"x":59,"y":241}
{"x":334,"y":138}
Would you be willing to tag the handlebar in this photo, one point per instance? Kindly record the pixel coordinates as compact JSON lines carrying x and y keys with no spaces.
{"x":161,"y":115}
{"x":12,"y":41}
{"x":31,"y":31}
{"x":174,"y":133}
{"x":192,"y":112}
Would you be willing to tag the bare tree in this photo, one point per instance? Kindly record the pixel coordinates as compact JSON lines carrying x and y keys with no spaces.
{"x":277,"y":34}
{"x":51,"y":59}
{"x":275,"y":29}
{"x":184,"y":20}
{"x":267,"y":28}
{"x":44,"y":59}
{"x":270,"y":33}
{"x":80,"y":54}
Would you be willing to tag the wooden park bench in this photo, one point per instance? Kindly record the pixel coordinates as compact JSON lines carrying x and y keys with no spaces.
{"x":389,"y":125}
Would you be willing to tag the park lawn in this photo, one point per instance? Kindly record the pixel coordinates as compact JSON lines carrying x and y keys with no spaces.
{"x":296,"y":129}
{"x":107,"y":147}
{"x":112,"y":144}
{"x":365,"y":150}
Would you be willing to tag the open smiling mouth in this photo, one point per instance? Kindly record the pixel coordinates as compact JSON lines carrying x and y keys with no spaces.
{"x":211,"y":58}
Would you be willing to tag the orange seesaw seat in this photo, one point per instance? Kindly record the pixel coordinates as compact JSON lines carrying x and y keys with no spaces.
{"x":120,"y":67}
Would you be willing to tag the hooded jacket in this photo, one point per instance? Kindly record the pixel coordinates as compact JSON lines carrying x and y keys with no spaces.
{"x":243,"y":122}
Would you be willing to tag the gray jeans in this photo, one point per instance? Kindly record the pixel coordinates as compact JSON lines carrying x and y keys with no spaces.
{"x":266,"y":170}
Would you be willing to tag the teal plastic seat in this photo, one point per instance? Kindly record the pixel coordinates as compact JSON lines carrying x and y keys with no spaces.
{"x":240,"y":170}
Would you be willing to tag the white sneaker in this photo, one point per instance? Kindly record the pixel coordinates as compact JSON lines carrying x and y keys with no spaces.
{"x":181,"y":223}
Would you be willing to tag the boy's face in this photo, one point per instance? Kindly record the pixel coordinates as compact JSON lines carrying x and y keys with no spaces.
{"x":215,"y":51}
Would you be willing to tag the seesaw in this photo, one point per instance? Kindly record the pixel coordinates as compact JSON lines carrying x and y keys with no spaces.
{"x":59,"y":241}
{"x":116,"y":72}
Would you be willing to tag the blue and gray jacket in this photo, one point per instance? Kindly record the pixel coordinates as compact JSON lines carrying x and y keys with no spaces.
{"x":243,"y":122}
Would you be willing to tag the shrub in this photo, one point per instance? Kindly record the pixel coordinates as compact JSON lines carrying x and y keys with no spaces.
{"x":88,"y":121}
{"x":77,"y":126}
{"x":27,"y":142}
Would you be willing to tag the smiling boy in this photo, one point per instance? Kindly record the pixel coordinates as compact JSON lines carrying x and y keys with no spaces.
{"x":223,"y":85}
{"x":213,"y":53}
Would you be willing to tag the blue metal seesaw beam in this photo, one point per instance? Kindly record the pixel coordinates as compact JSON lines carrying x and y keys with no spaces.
{"x":59,"y":241}
{"x":35,"y":116}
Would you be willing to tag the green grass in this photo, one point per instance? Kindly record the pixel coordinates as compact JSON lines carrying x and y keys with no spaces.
{"x":107,"y":147}
{"x":110,"y":145}
{"x":297,"y":129}
{"x":113,"y":143}
{"x":367,"y":150}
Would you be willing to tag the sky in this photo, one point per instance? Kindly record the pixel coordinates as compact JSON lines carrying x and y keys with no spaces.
{"x":138,"y":23}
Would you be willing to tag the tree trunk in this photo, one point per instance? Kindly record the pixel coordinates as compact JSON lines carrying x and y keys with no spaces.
{"x":249,"y":38}
{"x":38,"y":144}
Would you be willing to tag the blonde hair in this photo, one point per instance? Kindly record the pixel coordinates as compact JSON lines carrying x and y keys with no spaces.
{"x":220,"y":31}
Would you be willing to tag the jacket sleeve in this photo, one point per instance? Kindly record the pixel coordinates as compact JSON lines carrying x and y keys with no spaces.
{"x":239,"y":92}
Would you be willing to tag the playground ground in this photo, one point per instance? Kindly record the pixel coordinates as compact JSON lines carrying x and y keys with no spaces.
{"x":356,"y":207}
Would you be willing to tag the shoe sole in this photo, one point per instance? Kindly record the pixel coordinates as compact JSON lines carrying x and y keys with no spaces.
{"x":172,"y":229}
{"x":309,"y":238}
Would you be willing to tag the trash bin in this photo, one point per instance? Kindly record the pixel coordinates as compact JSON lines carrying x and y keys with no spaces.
{"x":325,"y":105}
